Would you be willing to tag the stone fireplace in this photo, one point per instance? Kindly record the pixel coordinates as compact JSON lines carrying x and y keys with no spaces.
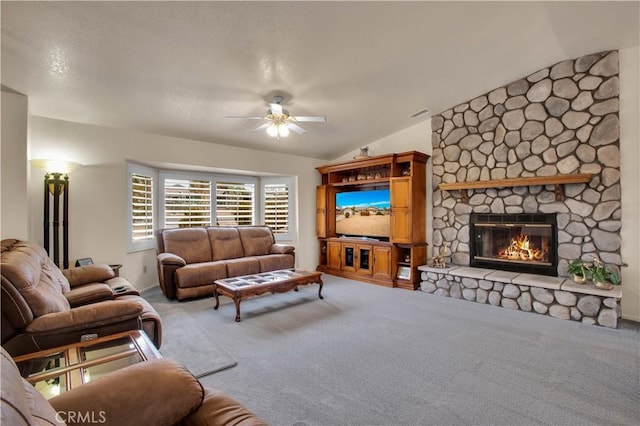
{"x":558,"y":121}
{"x":514,"y":242}
{"x":544,"y":146}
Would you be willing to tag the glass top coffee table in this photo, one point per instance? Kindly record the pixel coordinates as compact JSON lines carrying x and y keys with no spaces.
{"x":243,"y":287}
{"x":57,"y":370}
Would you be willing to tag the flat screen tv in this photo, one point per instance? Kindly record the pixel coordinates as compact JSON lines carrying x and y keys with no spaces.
{"x":363,"y":213}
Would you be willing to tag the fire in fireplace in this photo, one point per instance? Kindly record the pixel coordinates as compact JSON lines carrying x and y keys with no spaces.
{"x":514,"y":242}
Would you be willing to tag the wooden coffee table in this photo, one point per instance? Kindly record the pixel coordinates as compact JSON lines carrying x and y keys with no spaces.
{"x":243,"y":287}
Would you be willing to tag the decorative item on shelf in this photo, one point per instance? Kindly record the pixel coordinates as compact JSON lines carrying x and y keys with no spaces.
{"x":364,"y":153}
{"x":352,"y":177}
{"x":579,"y":271}
{"x":404,"y":272}
{"x":361,"y":176}
{"x":439,"y":260}
{"x":407,"y":258}
{"x":406,"y":171}
{"x":604,"y":276}
{"x":378,"y":175}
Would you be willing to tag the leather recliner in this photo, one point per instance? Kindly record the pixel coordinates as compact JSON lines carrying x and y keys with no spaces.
{"x":42,"y":308}
{"x":157,"y":392}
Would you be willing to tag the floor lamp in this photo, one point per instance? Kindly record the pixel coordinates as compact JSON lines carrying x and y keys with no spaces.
{"x":56,"y":193}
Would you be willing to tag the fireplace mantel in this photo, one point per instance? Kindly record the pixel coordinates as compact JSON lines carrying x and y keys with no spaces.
{"x":557,"y":180}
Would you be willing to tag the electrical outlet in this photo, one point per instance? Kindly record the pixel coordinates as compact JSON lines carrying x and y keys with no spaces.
{"x":144,"y":269}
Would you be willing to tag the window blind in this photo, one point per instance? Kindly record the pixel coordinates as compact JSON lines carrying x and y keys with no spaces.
{"x":141,"y":207}
{"x":235,"y":203}
{"x":276,"y":207}
{"x":187,"y":203}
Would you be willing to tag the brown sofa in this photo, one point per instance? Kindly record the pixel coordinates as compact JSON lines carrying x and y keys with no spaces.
{"x":44,"y":307}
{"x":191,"y":259}
{"x":158,"y":392}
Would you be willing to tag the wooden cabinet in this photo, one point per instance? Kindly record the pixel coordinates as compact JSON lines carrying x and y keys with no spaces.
{"x":382,"y":262}
{"x":334,"y":255}
{"x":378,"y":261}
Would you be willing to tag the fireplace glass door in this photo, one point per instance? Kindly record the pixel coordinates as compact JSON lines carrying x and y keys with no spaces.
{"x":514,"y":242}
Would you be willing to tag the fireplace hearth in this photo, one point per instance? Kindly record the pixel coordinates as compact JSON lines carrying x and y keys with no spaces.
{"x":514,"y":242}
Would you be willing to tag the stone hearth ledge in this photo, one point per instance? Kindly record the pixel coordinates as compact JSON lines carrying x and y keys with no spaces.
{"x":554,"y":296}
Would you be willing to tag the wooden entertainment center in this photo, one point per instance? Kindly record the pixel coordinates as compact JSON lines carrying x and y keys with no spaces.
{"x":392,"y":259}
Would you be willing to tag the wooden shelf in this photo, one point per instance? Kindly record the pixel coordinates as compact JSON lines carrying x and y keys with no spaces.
{"x":374,"y":181}
{"x":557,"y":180}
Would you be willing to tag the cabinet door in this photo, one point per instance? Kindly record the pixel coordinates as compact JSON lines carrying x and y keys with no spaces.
{"x":400,"y":210}
{"x":382,"y":262}
{"x":321,"y":211}
{"x":334,"y":249}
{"x":364,"y":260}
{"x":349,"y":253}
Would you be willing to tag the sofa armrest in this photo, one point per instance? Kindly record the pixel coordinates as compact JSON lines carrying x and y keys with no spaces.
{"x":89,"y":293}
{"x":219,"y":409}
{"x":155,"y":392}
{"x":88,"y":274}
{"x":171,"y":259}
{"x":281,"y":249}
{"x":86,"y":317}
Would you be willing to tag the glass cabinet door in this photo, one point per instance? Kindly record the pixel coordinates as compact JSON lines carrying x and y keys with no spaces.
{"x":348,"y":257}
{"x":364,"y":258}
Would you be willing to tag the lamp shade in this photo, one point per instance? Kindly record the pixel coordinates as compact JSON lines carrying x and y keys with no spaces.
{"x":56,"y":166}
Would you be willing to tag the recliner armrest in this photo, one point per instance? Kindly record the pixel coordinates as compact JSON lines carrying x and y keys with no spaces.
{"x":89,"y":293}
{"x":123,"y":398}
{"x":88,"y":274}
{"x":86,"y":317}
{"x":219,"y":409}
{"x":171,"y":259}
{"x":281,"y":249}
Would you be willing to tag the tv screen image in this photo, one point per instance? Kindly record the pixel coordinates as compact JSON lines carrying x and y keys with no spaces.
{"x":363,"y":213}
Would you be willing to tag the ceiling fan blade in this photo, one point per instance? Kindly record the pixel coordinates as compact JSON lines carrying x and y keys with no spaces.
{"x":261,"y":127}
{"x":276,"y":109}
{"x":312,"y":118}
{"x":299,"y":130}
{"x":247,"y":117}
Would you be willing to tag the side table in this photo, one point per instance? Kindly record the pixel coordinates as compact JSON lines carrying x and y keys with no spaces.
{"x":57,"y":370}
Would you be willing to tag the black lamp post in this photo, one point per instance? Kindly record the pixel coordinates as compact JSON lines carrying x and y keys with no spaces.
{"x":57,"y":185}
{"x":56,"y":189}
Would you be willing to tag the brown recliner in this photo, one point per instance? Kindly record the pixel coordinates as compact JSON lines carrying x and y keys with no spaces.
{"x":41,"y":308}
{"x":157,"y":392}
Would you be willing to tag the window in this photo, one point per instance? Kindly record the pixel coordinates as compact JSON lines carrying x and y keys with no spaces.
{"x":187,"y":203}
{"x":278,"y":206}
{"x":176,"y":199}
{"x":141,"y":207}
{"x":235,"y":203}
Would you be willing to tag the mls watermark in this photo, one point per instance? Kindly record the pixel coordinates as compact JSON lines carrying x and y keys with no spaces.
{"x":83,"y":417}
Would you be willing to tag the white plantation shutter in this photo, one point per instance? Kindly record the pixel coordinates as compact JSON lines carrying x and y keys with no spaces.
{"x":276,"y":207}
{"x":235,"y":203}
{"x":187,"y":203}
{"x":141,"y":207}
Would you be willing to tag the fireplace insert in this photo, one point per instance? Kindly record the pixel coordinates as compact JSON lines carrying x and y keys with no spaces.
{"x":514,"y":242}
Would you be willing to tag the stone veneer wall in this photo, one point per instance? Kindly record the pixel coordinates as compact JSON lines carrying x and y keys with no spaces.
{"x":560,"y":120}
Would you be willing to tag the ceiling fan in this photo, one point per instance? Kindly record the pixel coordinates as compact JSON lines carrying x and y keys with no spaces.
{"x":279,"y":121}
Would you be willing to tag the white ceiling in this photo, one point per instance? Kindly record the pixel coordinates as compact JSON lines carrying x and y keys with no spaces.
{"x":178,"y":68}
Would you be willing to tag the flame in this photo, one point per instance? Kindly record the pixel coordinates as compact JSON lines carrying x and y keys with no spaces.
{"x":521,"y":248}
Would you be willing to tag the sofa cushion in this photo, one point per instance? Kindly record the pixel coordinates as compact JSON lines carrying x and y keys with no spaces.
{"x":256,"y":240}
{"x":191,"y":244}
{"x":274,"y":262}
{"x":225,"y":243}
{"x":242,"y":266}
{"x":30,"y":271}
{"x":200,"y":274}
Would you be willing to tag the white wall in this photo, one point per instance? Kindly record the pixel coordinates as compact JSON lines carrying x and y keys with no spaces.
{"x":14,"y":222}
{"x":630,"y":176}
{"x":98,"y":190}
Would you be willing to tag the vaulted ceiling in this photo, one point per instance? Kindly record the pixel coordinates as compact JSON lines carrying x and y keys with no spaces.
{"x":179,"y":68}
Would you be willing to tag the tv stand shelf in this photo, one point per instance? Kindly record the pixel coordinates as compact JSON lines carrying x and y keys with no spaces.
{"x":392,"y":263}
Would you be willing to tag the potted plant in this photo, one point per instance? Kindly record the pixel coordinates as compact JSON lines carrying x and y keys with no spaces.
{"x":604,"y":276}
{"x":579,"y":270}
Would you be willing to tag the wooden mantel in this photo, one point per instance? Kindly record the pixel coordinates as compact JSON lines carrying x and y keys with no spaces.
{"x":557,"y":180}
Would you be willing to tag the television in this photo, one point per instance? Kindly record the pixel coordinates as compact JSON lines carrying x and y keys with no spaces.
{"x":363,"y":213}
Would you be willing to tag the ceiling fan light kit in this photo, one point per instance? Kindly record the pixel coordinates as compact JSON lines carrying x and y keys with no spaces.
{"x":280,"y":122}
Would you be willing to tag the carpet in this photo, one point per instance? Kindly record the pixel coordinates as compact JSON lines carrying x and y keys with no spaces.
{"x":190,"y":341}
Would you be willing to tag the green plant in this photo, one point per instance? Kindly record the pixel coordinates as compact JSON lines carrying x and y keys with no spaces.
{"x":605,"y":274}
{"x":578,"y":267}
